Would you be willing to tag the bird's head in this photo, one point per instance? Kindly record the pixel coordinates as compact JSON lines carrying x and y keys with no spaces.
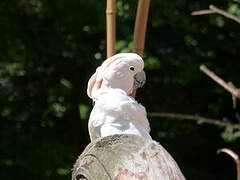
{"x":124,"y":71}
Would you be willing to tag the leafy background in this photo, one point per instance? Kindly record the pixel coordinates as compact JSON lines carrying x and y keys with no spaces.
{"x":49,"y":49}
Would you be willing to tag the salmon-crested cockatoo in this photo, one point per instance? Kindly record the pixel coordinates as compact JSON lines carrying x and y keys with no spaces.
{"x":115,"y":111}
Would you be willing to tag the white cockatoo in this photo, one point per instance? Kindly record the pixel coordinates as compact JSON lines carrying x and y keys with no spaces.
{"x":123,"y":71}
{"x":115,"y":111}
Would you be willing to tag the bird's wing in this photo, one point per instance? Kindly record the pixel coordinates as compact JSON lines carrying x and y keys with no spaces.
{"x":136,"y":112}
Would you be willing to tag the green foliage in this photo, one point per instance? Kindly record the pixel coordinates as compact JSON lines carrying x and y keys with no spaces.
{"x":231,"y":136}
{"x":234,"y":9}
{"x":49,"y":49}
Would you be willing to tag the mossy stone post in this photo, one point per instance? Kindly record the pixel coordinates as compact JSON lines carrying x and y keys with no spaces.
{"x":125,"y":157}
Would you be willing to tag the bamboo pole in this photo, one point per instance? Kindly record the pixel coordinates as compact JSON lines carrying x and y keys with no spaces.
{"x":140,"y":26}
{"x":140,"y":30}
{"x":111,"y":27}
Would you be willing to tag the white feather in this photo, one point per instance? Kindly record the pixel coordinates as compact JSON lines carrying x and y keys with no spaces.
{"x":115,"y":112}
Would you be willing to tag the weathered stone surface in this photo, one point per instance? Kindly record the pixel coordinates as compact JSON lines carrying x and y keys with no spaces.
{"x":125,"y":157}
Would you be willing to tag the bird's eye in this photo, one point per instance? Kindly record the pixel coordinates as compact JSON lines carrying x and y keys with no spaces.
{"x":131,"y":68}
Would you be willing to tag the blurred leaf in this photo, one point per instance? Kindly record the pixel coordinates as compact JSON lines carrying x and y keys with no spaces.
{"x":84,"y":111}
{"x":66,"y":83}
{"x":152,"y":63}
{"x":63,"y":171}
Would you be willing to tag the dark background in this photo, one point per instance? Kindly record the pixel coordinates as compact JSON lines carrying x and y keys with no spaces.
{"x":50,"y":48}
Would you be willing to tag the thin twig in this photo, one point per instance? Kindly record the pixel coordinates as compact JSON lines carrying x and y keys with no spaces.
{"x":111,"y":27}
{"x":234,"y":98}
{"x":224,"y":13}
{"x":213,"y":9}
{"x":235,"y":158}
{"x":234,"y":91}
{"x":202,"y":12}
{"x":196,"y":118}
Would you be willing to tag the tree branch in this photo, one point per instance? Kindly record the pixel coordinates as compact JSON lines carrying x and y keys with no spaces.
{"x":235,"y":158}
{"x":196,"y":118}
{"x":202,"y":12}
{"x":228,"y":86}
{"x":212,"y":10}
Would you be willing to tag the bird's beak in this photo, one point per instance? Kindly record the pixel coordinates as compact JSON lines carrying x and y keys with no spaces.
{"x":139,"y":80}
